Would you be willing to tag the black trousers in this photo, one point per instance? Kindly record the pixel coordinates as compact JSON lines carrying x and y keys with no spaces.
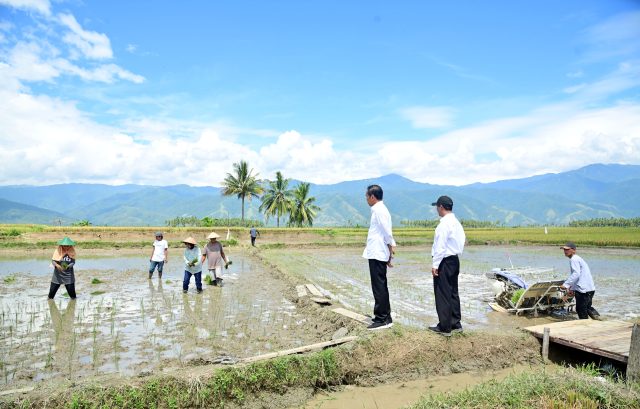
{"x":445,"y":287}
{"x":583,"y":305}
{"x":71,"y":289}
{"x":382,"y":307}
{"x":253,"y":241}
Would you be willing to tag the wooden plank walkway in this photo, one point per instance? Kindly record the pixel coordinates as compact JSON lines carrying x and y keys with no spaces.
{"x":611,"y":339}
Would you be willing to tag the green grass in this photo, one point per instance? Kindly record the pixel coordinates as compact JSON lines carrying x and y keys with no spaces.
{"x":539,"y":389}
{"x":98,"y":292}
{"x":225,"y":385}
{"x":342,"y":236}
{"x":516,"y":296}
{"x":96,"y":281}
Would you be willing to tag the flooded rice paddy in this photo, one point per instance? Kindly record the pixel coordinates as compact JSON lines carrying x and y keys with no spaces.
{"x":130,"y":325}
{"x":344,"y":275}
{"x":133,"y":326}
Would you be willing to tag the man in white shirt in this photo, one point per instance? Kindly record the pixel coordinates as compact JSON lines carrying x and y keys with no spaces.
{"x":159,"y":255}
{"x":580,"y":282}
{"x":379,"y":251}
{"x":448,"y":243}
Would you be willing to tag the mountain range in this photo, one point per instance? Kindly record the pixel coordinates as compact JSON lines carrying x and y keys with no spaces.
{"x":599,"y":190}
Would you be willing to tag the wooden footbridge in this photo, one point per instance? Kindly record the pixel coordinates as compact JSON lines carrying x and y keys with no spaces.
{"x":617,"y":340}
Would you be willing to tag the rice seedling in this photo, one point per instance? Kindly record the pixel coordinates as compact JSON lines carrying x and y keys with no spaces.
{"x":96,"y":281}
{"x":9,"y":279}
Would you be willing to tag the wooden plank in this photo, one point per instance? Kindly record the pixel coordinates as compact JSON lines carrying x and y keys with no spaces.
{"x":12,"y":391}
{"x":314,"y":290}
{"x":545,"y":345}
{"x":497,"y":307}
{"x":302,"y":290}
{"x":610,"y":339}
{"x":299,"y":350}
{"x":633,"y":363}
{"x":353,"y":315}
{"x":321,"y":300}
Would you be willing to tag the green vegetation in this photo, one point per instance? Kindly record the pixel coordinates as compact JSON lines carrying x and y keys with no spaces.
{"x":98,"y":292}
{"x":469,"y":224}
{"x":516,"y":296}
{"x":84,"y":222}
{"x":539,"y":389}
{"x":96,"y":281}
{"x":277,"y":199}
{"x":242,"y":184}
{"x":303,"y":209}
{"x":192,"y":221}
{"x":9,"y":279}
{"x":607,"y":222}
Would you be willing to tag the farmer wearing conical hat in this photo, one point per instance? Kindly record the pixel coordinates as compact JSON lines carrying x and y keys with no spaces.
{"x":63,"y":259}
{"x":214,"y":253}
{"x":192,"y":264}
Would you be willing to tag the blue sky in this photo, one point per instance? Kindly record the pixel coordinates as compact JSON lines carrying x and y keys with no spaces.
{"x":441,"y":92}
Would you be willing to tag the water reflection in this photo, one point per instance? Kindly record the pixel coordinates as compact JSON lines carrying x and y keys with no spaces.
{"x":65,"y":338}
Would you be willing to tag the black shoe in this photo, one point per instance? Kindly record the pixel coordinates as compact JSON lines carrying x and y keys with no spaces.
{"x":456,"y":329}
{"x":184,"y":291}
{"x":437,"y":330}
{"x":380,"y":325}
{"x":199,"y":291}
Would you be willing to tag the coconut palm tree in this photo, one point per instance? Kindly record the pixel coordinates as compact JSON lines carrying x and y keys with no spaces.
{"x":303,"y":210}
{"x":243,"y":183}
{"x":277,"y":199}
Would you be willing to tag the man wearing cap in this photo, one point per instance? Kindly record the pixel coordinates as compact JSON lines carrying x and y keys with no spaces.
{"x":159,"y":255}
{"x":192,"y":264}
{"x":379,"y":251}
{"x":448,"y":243}
{"x":580,"y":282}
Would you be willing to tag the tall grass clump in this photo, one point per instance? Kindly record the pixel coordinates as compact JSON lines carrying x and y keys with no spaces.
{"x":224,"y":386}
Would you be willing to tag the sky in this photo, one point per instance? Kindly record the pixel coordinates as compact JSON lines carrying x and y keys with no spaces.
{"x":450,"y":93}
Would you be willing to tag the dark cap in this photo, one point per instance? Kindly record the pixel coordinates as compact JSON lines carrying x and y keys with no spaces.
{"x":444,"y":201}
{"x":159,"y":234}
{"x":569,"y":245}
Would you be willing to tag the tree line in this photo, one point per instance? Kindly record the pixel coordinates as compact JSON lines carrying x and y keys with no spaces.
{"x":607,"y":222}
{"x":193,"y":221}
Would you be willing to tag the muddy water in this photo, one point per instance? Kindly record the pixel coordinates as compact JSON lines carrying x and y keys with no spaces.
{"x":131,"y":325}
{"x":399,"y":395}
{"x":344,"y":276}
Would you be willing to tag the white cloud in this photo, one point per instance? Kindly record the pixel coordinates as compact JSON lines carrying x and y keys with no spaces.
{"x":92,"y":45}
{"x":617,"y":36}
{"x":428,"y":117}
{"x":40,"y":6}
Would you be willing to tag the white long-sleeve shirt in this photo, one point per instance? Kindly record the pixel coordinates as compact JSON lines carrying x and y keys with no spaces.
{"x":449,"y":239}
{"x":580,"y":279}
{"x":380,"y":235}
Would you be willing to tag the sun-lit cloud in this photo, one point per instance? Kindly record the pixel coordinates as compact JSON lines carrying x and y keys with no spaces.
{"x":90,"y":43}
{"x":40,"y":6}
{"x":422,"y":117}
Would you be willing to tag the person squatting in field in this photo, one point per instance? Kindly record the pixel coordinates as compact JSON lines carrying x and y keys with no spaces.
{"x":192,"y":264}
{"x":63,"y":260}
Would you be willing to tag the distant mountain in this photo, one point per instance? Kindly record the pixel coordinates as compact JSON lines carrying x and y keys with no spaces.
{"x":19,"y":213}
{"x":589,"y":192}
